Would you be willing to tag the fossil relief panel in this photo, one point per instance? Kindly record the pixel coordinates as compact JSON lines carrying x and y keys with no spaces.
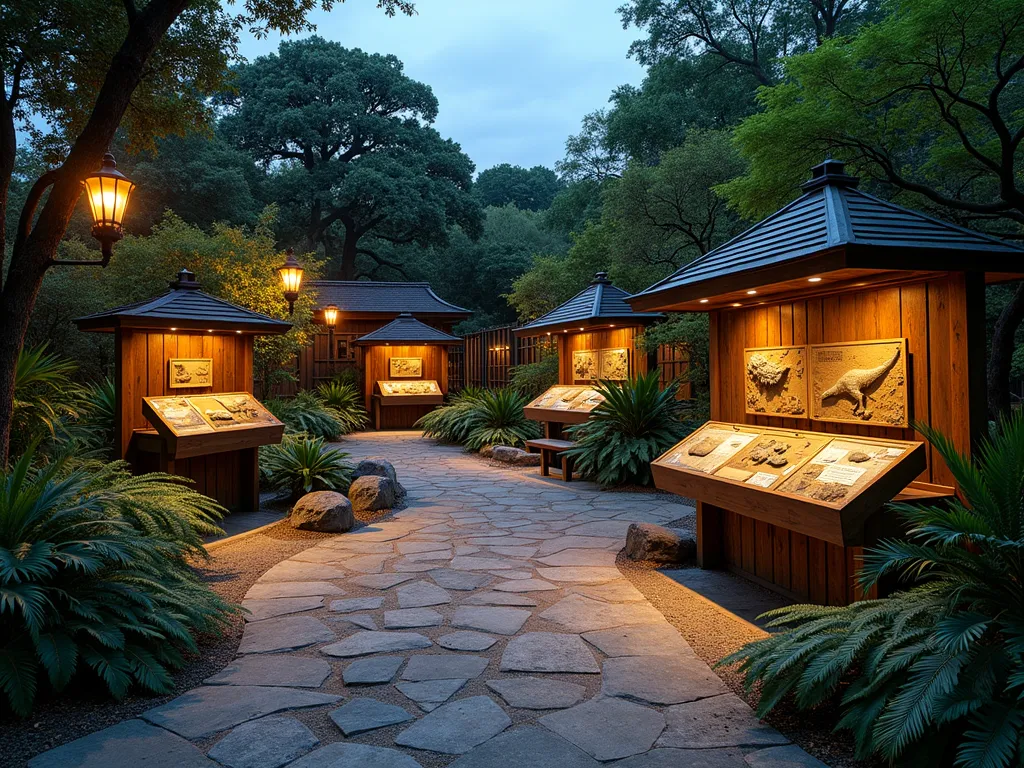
{"x":863,"y":382}
{"x":775,"y":381}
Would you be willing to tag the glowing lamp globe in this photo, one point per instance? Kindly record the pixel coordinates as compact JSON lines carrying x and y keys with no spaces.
{"x":108,"y":191}
{"x":331,"y":315}
{"x":291,"y":279}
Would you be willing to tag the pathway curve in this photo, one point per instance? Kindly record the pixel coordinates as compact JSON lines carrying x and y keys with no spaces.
{"x":484,"y":625}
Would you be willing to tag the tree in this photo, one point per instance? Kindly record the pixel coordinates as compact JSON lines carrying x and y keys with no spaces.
{"x":350,"y":134}
{"x":160,"y":58}
{"x":587,"y":154}
{"x":749,"y":35}
{"x":528,"y":190}
{"x":926,"y":105}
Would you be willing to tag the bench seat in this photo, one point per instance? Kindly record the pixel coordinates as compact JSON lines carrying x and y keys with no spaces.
{"x":552,"y":453}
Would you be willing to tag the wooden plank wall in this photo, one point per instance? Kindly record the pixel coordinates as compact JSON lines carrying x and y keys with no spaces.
{"x":142,"y":368}
{"x":435,"y":366}
{"x":606,"y":338}
{"x":932,"y":316}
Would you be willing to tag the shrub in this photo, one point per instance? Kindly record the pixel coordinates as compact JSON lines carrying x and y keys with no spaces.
{"x":347,"y":401}
{"x":301,"y":464}
{"x":936,"y":670}
{"x":496,"y":418}
{"x":94,"y":578}
{"x":98,"y":414}
{"x":307,"y":414}
{"x":448,"y":423}
{"x":636,"y":423}
{"x":45,"y":397}
{"x":532,"y":379}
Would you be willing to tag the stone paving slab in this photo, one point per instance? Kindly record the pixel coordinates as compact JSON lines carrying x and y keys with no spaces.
{"x":686,"y":758}
{"x":456,"y":727}
{"x":577,"y":613}
{"x":420,"y":594}
{"x":721,"y":721}
{"x":537,"y":692}
{"x":410,"y":618}
{"x":782,"y":757}
{"x":344,"y":755}
{"x":281,"y":606}
{"x":548,"y":652}
{"x":292,"y":589}
{"x":443,"y":666}
{"x":364,"y":643}
{"x":130,"y":743}
{"x":274,"y":670}
{"x":283,"y":634}
{"x":500,"y":621}
{"x":269,"y":742}
{"x":526,"y":746}
{"x":293,"y":570}
{"x":430,"y":694}
{"x":659,"y":679}
{"x":374,"y":670}
{"x":608,"y":729}
{"x":466,"y":640}
{"x":364,"y":714}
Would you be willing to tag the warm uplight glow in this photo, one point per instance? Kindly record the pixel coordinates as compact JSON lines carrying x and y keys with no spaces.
{"x":813,"y":279}
{"x":331,"y":315}
{"x":291,"y":279}
{"x":209,"y":330}
{"x":107,"y":191}
{"x":751,"y":293}
{"x":703,"y":301}
{"x":237,"y":331}
{"x":737,"y":304}
{"x":549,"y":333}
{"x":174,"y":329}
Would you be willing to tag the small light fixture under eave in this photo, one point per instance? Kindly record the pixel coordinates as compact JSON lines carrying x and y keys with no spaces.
{"x":751,"y":292}
{"x":237,"y":331}
{"x":174,"y":329}
{"x":737,"y":304}
{"x":813,"y":279}
{"x":209,"y":330}
{"x":549,"y":333}
{"x":703,"y":301}
{"x":108,"y":191}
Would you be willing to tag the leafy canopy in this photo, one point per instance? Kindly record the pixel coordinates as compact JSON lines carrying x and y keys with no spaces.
{"x":530,"y":189}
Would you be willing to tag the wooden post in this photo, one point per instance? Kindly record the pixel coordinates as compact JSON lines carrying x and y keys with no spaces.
{"x":709,"y":535}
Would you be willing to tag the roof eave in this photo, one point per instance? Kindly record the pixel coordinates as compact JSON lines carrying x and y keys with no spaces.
{"x":134,"y":322}
{"x":620,"y":321}
{"x":364,"y":342}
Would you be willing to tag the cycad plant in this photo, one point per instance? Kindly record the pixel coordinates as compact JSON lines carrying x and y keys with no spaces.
{"x":97,"y":418}
{"x":301,"y":464}
{"x":637,"y":422}
{"x":45,"y":397}
{"x":448,"y":424}
{"x":94,"y":579}
{"x":307,"y":414}
{"x":933,"y":675}
{"x":347,"y":402}
{"x":496,"y":418}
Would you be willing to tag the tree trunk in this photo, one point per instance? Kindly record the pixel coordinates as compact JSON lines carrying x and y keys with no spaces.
{"x":1001,"y":357}
{"x":33,"y":254}
{"x":349,"y":252}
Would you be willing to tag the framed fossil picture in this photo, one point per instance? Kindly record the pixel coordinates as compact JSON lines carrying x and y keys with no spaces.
{"x":405,"y":367}
{"x":614,"y":364}
{"x":584,"y":365}
{"x":860,"y":382}
{"x":775,"y":381}
{"x":190,"y":372}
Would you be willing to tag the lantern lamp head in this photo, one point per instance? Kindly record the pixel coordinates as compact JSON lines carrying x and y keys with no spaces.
{"x":331,"y":315}
{"x":291,"y":279}
{"x":108,"y":191}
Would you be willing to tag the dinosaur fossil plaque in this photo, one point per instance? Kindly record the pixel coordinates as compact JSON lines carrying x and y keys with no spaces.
{"x":776,"y":381}
{"x":860,"y":382}
{"x":584,"y":365}
{"x":190,"y":372}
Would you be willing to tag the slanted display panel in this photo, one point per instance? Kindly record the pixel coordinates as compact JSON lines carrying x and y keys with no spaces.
{"x":202,"y":424}
{"x":564,"y":404}
{"x":410,"y":392}
{"x":813,"y":483}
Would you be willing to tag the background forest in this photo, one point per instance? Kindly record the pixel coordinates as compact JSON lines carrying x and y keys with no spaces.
{"x":332,"y":151}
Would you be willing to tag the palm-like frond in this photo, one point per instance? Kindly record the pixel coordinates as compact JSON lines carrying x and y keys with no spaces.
{"x":307,"y":414}
{"x":943,"y":662}
{"x":347,"y":402}
{"x":301,"y":464}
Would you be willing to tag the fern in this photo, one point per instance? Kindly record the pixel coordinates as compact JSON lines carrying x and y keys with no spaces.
{"x":636,"y":423}
{"x":941,"y":665}
{"x":308,"y":414}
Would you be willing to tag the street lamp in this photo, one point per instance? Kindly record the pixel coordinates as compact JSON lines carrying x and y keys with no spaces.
{"x":291,"y":279}
{"x":330,"y":318}
{"x":331,"y":315}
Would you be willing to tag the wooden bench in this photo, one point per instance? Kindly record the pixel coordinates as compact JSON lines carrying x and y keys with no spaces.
{"x":552,"y":453}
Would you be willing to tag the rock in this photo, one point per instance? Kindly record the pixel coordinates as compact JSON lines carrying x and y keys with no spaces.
{"x":660,"y":679}
{"x":580,"y":574}
{"x":783,"y":757}
{"x":486,"y":451}
{"x":580,"y":557}
{"x":443,"y":667}
{"x":279,"y":606}
{"x":421,"y":594}
{"x":354,"y":604}
{"x":466,"y":641}
{"x":273,"y":670}
{"x":658,"y":639}
{"x":284,"y":634}
{"x":208,"y":709}
{"x":371,"y":493}
{"x":324,"y":511}
{"x":409,"y":618}
{"x":293,"y":570}
{"x":525,"y":585}
{"x":526,"y":746}
{"x":537,"y":693}
{"x":364,"y":643}
{"x":361,"y":620}
{"x":500,"y":621}
{"x":471,"y":563}
{"x":500,"y":598}
{"x":280,"y":589}
{"x":647,"y":541}
{"x":607,"y":729}
{"x":345,"y":755}
{"x":430,"y":694}
{"x":459,"y":580}
{"x":686,"y":758}
{"x":361,"y":715}
{"x":381,"y":580}
{"x":514,"y":456}
{"x":548,"y":652}
{"x":376,"y":466}
{"x":457,"y":727}
{"x":373,"y":671}
{"x":577,"y":613}
{"x":721,"y":721}
{"x":132,"y":742}
{"x":266,"y":743}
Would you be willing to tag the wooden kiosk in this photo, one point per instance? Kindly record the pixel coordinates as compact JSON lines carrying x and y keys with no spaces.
{"x":836,"y":323}
{"x":183,"y":377}
{"x":594,"y":333}
{"x":406,"y":370}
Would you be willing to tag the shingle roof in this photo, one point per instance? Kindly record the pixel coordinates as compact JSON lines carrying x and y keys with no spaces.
{"x":599,"y":301}
{"x":832,"y":212}
{"x":406,"y":329}
{"x":383,"y":298}
{"x":184,"y":306}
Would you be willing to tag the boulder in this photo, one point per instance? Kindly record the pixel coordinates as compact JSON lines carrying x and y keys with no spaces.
{"x":325,"y":511}
{"x":370,"y":493}
{"x":379,"y":467}
{"x":646,"y":541}
{"x":515,"y":456}
{"x":486,"y":451}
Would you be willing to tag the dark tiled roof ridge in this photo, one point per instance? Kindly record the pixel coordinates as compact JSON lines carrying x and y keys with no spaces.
{"x":445,"y":306}
{"x":406,"y":328}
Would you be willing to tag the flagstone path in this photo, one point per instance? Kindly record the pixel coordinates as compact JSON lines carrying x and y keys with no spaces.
{"x":485,"y":625}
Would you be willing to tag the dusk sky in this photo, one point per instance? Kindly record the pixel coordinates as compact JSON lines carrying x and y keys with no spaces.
{"x":513,"y":78}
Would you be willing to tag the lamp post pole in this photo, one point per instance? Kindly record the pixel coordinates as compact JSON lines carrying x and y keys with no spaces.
{"x":330,"y":318}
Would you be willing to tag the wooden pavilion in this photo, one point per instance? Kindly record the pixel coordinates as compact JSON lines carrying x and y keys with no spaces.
{"x":833,"y":278}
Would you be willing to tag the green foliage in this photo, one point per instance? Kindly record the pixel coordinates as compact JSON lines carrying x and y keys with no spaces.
{"x":45,"y":397}
{"x":636,"y":423}
{"x":497,"y":419}
{"x":347,"y":401}
{"x":449,"y":423}
{"x":938,"y":669}
{"x":301,"y":464}
{"x":527,"y":189}
{"x":533,"y":378}
{"x":94,"y":578}
{"x":98,"y":416}
{"x":308,"y":414}
{"x":689,"y":330}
